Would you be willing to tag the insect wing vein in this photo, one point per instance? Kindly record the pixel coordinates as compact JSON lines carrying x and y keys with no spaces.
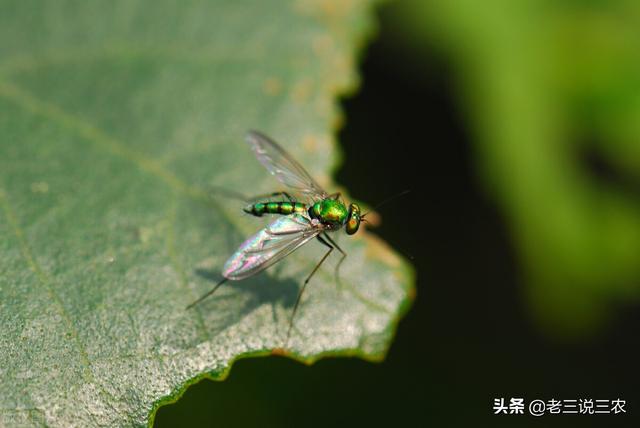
{"x":270,"y":245}
{"x":284,"y":167}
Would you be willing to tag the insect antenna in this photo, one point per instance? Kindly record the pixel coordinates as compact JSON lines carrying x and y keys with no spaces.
{"x":389,"y":199}
{"x":207,"y":294}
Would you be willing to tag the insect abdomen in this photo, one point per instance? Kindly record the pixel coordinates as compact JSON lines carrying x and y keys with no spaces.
{"x":285,"y":208}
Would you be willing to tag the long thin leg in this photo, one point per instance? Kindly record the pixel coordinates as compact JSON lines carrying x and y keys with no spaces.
{"x":239,"y":196}
{"x":306,"y":281}
{"x":209,"y":293}
{"x":271,"y":195}
{"x":344,"y":255}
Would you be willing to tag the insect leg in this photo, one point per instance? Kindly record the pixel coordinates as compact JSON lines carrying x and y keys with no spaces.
{"x":209,"y":293}
{"x":344,"y":255}
{"x":335,"y":196}
{"x":271,"y":195}
{"x":306,"y":281}
{"x":219,"y":191}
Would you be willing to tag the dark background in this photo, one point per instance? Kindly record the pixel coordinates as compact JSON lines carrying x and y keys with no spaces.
{"x":469,"y":337}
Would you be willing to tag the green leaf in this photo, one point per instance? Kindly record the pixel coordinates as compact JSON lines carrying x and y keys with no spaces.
{"x":116,"y":118}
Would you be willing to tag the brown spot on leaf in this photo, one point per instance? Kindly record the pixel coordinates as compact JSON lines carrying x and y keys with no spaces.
{"x":310,"y":143}
{"x":272,"y":86}
{"x":279,"y":352}
{"x":301,"y":91}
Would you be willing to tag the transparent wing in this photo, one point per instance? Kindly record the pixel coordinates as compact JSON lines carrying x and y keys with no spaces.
{"x":270,"y":245}
{"x":284,"y":167}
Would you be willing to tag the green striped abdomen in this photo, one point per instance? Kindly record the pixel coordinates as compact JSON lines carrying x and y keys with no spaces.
{"x":285,"y":208}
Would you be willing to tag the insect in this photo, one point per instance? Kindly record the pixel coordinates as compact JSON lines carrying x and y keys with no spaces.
{"x":312,"y":213}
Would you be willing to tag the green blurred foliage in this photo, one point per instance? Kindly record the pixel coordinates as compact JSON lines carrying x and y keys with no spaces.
{"x":552,"y":90}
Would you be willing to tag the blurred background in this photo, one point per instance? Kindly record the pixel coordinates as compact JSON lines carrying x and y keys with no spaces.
{"x":517,"y":126}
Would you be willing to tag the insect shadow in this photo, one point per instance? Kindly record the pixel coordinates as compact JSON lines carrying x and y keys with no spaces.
{"x":238,"y":299}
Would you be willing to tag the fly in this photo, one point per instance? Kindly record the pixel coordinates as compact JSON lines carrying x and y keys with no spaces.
{"x":311,"y":213}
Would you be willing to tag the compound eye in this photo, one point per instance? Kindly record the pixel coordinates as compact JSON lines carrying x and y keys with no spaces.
{"x":352,"y":226}
{"x":353,"y":221}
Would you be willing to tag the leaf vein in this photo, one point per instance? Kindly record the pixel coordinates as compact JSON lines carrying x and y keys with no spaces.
{"x":177,"y":267}
{"x":12,"y":220}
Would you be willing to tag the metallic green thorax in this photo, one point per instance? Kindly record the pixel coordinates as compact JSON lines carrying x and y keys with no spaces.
{"x":330,"y":211}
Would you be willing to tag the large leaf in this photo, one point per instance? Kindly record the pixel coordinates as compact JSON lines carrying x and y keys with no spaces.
{"x":116,"y":118}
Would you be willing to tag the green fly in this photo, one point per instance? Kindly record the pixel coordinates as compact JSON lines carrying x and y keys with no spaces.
{"x":310,"y":214}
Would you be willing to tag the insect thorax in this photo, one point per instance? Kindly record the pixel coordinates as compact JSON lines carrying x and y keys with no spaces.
{"x":329,"y":211}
